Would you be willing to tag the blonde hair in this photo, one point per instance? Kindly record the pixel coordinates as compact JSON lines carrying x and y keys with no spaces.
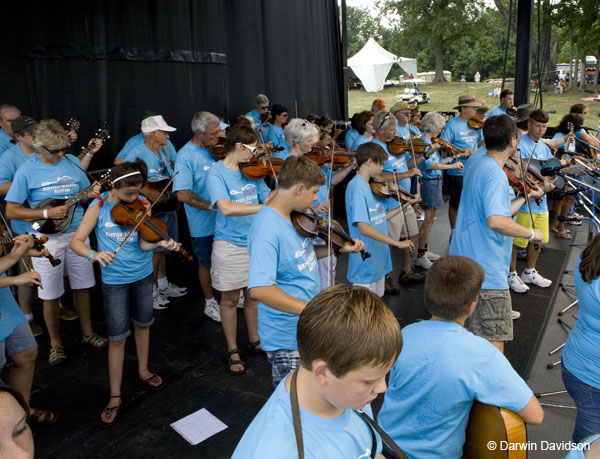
{"x":50,"y":134}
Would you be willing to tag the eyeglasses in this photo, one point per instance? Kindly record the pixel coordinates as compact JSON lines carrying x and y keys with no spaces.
{"x":56,"y":152}
{"x":264,"y":107}
{"x":252,"y":149}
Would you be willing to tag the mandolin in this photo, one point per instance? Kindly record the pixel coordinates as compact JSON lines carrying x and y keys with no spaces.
{"x":52,"y":226}
{"x":102,"y":134}
{"x":490,"y":425}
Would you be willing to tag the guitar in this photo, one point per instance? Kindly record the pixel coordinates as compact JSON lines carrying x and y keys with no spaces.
{"x":168,"y":202}
{"x":52,"y":226}
{"x":102,"y":134}
{"x":490,"y":425}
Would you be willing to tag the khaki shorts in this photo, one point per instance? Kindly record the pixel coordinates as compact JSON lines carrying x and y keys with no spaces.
{"x":396,"y":228}
{"x":492,"y":318}
{"x":541,"y":223}
{"x":229,"y":266}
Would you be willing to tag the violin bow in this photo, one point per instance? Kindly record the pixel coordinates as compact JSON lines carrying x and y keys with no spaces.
{"x":146,"y":213}
{"x":24,"y":260}
{"x":330,"y":214}
{"x":408,"y":236}
{"x":264,"y":144}
{"x":525,"y":192}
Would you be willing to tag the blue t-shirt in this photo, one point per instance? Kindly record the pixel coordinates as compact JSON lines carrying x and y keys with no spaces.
{"x":415,"y":130}
{"x":358,"y":141}
{"x":541,"y":152}
{"x":160,"y":167}
{"x":35,"y":181}
{"x":459,"y":134}
{"x":478,"y":153}
{"x":350,"y":136}
{"x":275,"y":135}
{"x":485,"y":193}
{"x":223,"y":183}
{"x":403,"y":131}
{"x":11,"y":313}
{"x":255,"y":116}
{"x":280,"y":256}
{"x":11,"y":160}
{"x":271,"y":433}
{"x":580,"y":355}
{"x":434,"y":158}
{"x":131,"y":263}
{"x":193,"y":164}
{"x":395,"y":163}
{"x":5,"y":143}
{"x":362,"y":206}
{"x":283,"y":154}
{"x":323,"y":194}
{"x":138,"y":139}
{"x":497,"y":111}
{"x":442,"y":368}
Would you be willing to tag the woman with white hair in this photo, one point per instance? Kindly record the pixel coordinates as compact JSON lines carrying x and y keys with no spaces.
{"x":432,"y":125}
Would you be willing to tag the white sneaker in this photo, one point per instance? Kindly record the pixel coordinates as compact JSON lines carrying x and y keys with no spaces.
{"x":240,"y":303}
{"x":159,"y":301}
{"x":173,"y":291}
{"x":431,"y":256}
{"x":535,"y":278}
{"x":515,"y":315}
{"x":211,"y":309}
{"x":423,"y":262}
{"x":516,"y":284}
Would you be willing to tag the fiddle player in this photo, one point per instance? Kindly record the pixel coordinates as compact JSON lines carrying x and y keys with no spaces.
{"x":261,"y":108}
{"x":352,"y":133}
{"x":160,"y":168}
{"x":507,"y":100}
{"x":459,"y":133}
{"x":532,"y":145}
{"x":283,"y":274}
{"x":403,"y":112}
{"x":581,"y":134}
{"x":275,"y":135}
{"x":398,"y":168}
{"x":194,"y":161}
{"x":126,"y":278}
{"x":237,"y":200}
{"x":443,"y":368}
{"x":485,"y":227}
{"x":8,"y":113}
{"x":50,"y":175}
{"x":368,"y":216}
{"x":364,"y":128}
{"x":415,"y":121}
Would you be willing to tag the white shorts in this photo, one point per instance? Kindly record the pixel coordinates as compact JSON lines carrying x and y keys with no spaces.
{"x":81,"y":271}
{"x":229,"y":266}
{"x":378,"y":288}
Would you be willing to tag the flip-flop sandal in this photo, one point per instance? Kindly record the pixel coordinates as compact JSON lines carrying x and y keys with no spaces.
{"x":235,"y":362}
{"x":111,"y":411}
{"x":152,"y":382}
{"x":46,"y":417}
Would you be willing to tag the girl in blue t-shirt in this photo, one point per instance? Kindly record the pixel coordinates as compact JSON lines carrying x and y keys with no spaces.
{"x":237,"y":200}
{"x":126,"y":278}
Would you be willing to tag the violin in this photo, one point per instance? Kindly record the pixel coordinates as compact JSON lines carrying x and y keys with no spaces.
{"x":38,"y":244}
{"x":386,"y":190}
{"x":151,"y":229}
{"x":449,"y":148}
{"x":586,"y":149}
{"x":476,"y":122}
{"x":217,"y":151}
{"x":265,"y":117}
{"x":314,"y":225}
{"x":532,"y":178}
{"x":259,"y":167}
{"x":399,"y":146}
{"x":512,"y":111}
{"x":322,"y":156}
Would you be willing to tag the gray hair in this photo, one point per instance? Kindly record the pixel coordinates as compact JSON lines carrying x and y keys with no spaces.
{"x":50,"y":134}
{"x":383,"y":120}
{"x":203,"y":121}
{"x":433,"y":122}
{"x":262,"y":99}
{"x":8,"y":107}
{"x":298,"y":131}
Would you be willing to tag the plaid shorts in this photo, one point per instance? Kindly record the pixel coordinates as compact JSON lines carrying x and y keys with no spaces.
{"x":283,"y":361}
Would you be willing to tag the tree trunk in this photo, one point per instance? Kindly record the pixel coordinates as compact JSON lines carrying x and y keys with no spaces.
{"x":582,"y":78}
{"x":597,"y":68}
{"x":439,"y":63}
{"x":570,"y":57}
{"x":575,"y":74}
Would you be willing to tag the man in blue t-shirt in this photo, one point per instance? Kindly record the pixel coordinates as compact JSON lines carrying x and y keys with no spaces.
{"x":507,"y":100}
{"x":443,"y":368}
{"x":462,"y":136}
{"x":261,"y":108}
{"x":338,"y":377}
{"x":484,"y":228}
{"x":193,"y":163}
{"x":283,"y":274}
{"x":8,"y":113}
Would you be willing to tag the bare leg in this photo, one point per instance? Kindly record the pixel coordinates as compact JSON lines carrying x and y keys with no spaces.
{"x":116,"y":355}
{"x":205,"y":281}
{"x":81,"y":302}
{"x":26,"y":295}
{"x":21,"y":374}
{"x":52,"y":319}
{"x":251,"y":316}
{"x":513,"y":259}
{"x":406,"y":258}
{"x":228,"y":305}
{"x":160,"y":265}
{"x":452,"y":213}
{"x":426,"y":228}
{"x":142,"y":347}
{"x":532,"y":256}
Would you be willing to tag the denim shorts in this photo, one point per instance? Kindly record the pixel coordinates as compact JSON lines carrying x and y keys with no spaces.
{"x":587,"y":400}
{"x":455,"y":186}
{"x":20,"y":340}
{"x":202,"y":249}
{"x":431,"y":193}
{"x":492,"y":318}
{"x":127,"y":302}
{"x":170,"y":218}
{"x":283,"y":362}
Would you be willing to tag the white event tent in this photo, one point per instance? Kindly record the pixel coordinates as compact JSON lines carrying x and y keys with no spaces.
{"x":373,"y":63}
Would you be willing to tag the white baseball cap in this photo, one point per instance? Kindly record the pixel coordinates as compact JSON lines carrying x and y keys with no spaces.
{"x":156,"y":123}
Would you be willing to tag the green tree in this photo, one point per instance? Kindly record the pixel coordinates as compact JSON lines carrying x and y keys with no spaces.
{"x":360,"y":25}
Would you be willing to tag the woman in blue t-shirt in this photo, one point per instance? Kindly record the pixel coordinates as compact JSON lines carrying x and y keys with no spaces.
{"x":580,"y":358}
{"x":364,"y":128}
{"x":126,"y":278}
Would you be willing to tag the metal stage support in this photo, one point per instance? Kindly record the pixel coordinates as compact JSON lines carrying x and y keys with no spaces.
{"x":523,"y":57}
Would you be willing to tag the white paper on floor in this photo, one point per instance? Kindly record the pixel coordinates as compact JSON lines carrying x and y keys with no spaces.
{"x":198,"y":426}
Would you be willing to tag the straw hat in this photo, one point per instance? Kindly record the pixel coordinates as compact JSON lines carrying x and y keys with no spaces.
{"x":468,"y":101}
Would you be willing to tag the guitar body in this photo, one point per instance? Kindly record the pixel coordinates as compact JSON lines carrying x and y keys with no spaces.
{"x":505,"y":428}
{"x":168,"y":202}
{"x":51,"y":226}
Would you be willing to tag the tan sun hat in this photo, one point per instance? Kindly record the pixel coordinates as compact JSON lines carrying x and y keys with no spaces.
{"x":468,"y":101}
{"x":402,"y":106}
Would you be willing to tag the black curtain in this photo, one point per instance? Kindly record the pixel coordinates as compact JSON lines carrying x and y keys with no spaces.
{"x":110,"y":60}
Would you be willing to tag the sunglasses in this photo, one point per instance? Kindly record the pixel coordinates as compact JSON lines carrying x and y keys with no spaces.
{"x":252,"y":149}
{"x":56,"y":152}
{"x":264,"y":107}
{"x":385,"y":118}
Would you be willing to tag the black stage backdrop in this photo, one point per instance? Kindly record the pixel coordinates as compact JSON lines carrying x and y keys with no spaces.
{"x":109,"y":60}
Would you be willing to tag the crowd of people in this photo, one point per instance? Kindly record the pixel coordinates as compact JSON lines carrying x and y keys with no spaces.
{"x":330,"y":346}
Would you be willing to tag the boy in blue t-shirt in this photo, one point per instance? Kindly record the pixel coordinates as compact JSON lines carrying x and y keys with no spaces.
{"x":283,"y":274}
{"x":443,"y":368}
{"x":338,"y":376}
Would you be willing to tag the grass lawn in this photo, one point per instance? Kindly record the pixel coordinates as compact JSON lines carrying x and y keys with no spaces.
{"x":445,"y":96}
